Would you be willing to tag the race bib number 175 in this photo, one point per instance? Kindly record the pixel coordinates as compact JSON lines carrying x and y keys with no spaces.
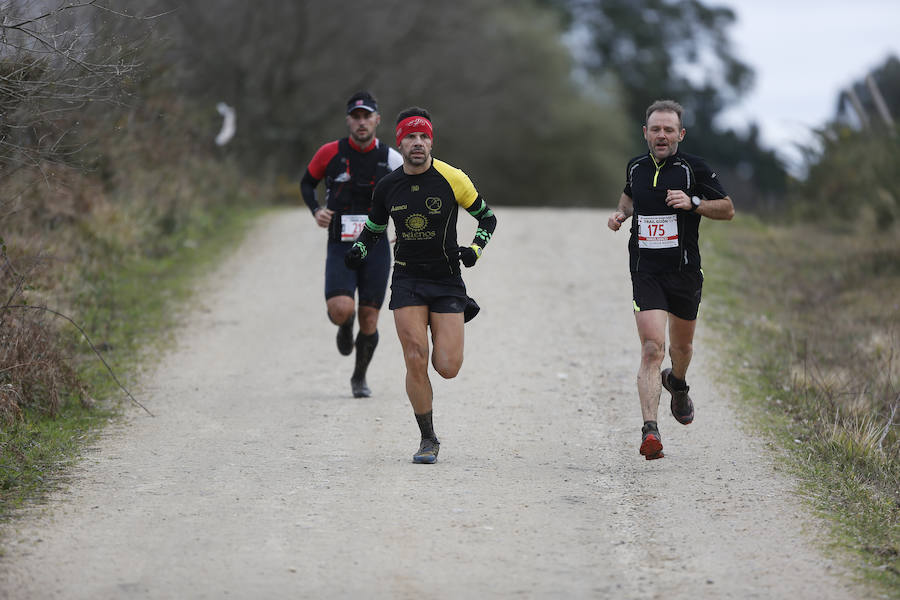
{"x":658,"y":231}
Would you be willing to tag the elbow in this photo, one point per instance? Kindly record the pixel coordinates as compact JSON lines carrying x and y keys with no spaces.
{"x":729,"y":210}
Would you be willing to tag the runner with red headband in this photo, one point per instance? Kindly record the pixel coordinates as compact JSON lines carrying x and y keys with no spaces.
{"x":427,"y":289}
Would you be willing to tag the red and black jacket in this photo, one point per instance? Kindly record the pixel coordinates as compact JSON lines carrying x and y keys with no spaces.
{"x":350,"y":175}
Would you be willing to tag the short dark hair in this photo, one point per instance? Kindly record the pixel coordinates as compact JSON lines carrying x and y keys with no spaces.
{"x":413,"y":111}
{"x":665,"y":106}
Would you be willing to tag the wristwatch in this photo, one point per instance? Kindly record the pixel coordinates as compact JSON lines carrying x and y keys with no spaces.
{"x":695,"y":203}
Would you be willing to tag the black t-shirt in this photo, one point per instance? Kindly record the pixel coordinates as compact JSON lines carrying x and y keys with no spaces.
{"x":424,"y":209}
{"x":664,"y":238}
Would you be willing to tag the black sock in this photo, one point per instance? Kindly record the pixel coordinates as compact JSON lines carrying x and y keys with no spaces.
{"x":678,"y":384}
{"x":365,"y":348}
{"x":426,"y":426}
{"x":650,"y":426}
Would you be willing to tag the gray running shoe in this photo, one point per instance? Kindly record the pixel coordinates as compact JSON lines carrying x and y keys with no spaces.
{"x":345,"y":336}
{"x":428,"y":452}
{"x":681,"y":405}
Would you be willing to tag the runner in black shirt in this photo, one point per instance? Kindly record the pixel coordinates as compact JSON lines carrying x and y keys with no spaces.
{"x":427,"y":291}
{"x":351,"y":167}
{"x":666,"y":193}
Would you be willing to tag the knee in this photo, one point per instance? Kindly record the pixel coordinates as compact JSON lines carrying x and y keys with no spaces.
{"x":339,"y":311}
{"x":416,"y":358}
{"x":447,"y":368}
{"x":652,"y":351}
{"x":684,"y":349}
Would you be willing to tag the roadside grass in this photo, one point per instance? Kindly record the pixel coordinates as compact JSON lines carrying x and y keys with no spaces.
{"x":128,"y":301}
{"x":812,"y":317}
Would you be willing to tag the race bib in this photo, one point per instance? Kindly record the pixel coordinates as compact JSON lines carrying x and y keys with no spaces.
{"x":658,"y":231}
{"x":351,"y":227}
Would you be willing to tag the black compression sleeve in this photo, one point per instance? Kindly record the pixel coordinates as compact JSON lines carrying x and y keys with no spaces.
{"x":487,"y":222}
{"x":308,"y":190}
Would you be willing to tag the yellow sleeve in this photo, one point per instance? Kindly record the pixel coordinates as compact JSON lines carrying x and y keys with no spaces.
{"x":462,"y":186}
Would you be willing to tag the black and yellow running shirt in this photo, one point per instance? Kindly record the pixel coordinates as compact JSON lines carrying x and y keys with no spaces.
{"x":424,"y":209}
{"x":665,"y":238}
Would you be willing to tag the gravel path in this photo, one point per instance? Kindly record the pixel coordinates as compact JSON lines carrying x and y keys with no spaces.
{"x":261,"y":477}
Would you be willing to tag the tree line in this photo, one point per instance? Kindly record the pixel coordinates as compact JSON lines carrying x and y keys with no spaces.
{"x":512,"y":106}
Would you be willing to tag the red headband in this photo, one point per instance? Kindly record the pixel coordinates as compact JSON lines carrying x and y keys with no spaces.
{"x":413,"y":125}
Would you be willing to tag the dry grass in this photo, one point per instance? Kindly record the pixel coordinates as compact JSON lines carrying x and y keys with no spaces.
{"x":34,"y":371}
{"x":815,"y":315}
{"x":109,"y":242}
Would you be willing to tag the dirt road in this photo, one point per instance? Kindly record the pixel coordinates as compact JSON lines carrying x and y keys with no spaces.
{"x":261,"y":477}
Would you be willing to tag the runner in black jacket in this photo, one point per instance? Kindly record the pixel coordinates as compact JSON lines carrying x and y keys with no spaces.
{"x":666,"y":193}
{"x":351,"y":167}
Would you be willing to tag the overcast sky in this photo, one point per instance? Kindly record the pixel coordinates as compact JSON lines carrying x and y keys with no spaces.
{"x":804,"y":52}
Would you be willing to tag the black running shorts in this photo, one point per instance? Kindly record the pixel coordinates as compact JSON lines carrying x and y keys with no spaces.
{"x":677,"y":292}
{"x":439,"y":295}
{"x":371,"y":278}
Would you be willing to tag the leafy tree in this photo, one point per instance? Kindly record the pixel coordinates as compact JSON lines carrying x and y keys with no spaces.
{"x":852,"y":181}
{"x":665,"y":48}
{"x":680,"y":49}
{"x":852,"y":171}
{"x":887,"y":80}
{"x":499,"y":86}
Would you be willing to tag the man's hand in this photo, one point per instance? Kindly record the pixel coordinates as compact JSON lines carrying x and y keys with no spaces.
{"x":469,"y":255}
{"x":355,"y":256}
{"x":615,"y":221}
{"x":678,"y":199}
{"x":323,"y":217}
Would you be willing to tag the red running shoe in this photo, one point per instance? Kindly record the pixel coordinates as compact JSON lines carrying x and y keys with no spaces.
{"x":651,"y":443}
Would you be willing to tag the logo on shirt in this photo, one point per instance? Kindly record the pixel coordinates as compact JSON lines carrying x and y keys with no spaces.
{"x":416,"y":222}
{"x":433,"y":204}
{"x":414,"y":188}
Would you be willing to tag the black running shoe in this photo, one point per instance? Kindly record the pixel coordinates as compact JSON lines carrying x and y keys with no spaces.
{"x":681,"y":405}
{"x":428,"y":452}
{"x":360,"y":388}
{"x":345,"y":337}
{"x":651,"y":443}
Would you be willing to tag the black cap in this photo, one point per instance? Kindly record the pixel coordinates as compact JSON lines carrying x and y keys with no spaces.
{"x":363,"y":100}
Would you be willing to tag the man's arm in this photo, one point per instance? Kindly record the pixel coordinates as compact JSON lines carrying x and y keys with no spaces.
{"x":721,"y":209}
{"x":487,"y":222}
{"x":718,"y":205}
{"x":624,"y":210}
{"x":308,"y":185}
{"x":375,"y":227}
{"x":308,"y":191}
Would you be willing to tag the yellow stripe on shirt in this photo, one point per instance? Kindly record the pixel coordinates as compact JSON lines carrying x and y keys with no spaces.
{"x":462,"y":186}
